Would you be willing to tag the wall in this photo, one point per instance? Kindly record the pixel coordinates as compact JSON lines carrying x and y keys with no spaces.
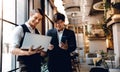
{"x":37,"y":5}
{"x":95,"y":19}
{"x":96,"y":45}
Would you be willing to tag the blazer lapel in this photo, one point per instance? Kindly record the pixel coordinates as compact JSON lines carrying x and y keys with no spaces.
{"x":56,"y":36}
{"x":64,"y":36}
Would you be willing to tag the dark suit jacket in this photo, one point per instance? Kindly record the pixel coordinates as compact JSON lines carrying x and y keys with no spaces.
{"x":59,"y":58}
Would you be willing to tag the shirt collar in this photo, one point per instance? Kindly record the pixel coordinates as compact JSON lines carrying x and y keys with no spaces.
{"x":60,"y":31}
{"x":28,"y":25}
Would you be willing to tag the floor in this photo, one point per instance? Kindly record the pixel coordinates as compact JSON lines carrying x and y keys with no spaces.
{"x":84,"y":67}
{"x":81,"y":67}
{"x":7,"y":64}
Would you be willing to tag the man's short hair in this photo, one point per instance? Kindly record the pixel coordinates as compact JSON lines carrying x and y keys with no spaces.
{"x":37,"y":10}
{"x":58,"y":16}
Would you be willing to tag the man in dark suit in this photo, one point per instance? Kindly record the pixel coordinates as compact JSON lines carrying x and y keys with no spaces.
{"x":62,"y":44}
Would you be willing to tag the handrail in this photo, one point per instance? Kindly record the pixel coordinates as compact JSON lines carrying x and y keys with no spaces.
{"x":9,"y":22}
{"x":13,"y":70}
{"x":49,"y":19}
{"x":16,"y":68}
{"x":17,"y":25}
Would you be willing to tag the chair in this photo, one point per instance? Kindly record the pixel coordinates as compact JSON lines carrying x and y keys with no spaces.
{"x":97,"y":61}
{"x":98,"y":69}
{"x":75,"y":62}
{"x":90,"y":56}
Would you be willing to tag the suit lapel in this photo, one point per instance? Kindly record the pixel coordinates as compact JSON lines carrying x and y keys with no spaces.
{"x":56,"y":36}
{"x":64,"y":34}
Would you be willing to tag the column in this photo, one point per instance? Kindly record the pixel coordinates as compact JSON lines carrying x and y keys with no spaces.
{"x":116,"y":39}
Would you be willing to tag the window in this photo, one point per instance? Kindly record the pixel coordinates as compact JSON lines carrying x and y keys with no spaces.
{"x":10,"y":15}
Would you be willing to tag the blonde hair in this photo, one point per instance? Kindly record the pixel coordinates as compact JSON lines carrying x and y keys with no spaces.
{"x":38,"y":10}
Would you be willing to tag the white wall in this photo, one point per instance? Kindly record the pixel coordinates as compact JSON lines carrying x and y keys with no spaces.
{"x":96,"y":45}
{"x":95,"y":19}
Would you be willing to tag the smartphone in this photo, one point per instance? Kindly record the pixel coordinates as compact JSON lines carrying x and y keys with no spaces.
{"x":63,"y":39}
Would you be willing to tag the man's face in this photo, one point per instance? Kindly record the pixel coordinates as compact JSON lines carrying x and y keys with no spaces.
{"x":35,"y":19}
{"x":59,"y":25}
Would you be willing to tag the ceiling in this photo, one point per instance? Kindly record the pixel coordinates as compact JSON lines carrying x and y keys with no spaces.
{"x":93,"y":11}
{"x":72,"y":6}
{"x":77,"y":9}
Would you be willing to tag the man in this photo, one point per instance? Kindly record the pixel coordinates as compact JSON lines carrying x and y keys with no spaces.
{"x":62,"y":44}
{"x":30,"y":58}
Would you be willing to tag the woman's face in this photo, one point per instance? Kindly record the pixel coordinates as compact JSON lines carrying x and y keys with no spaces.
{"x":59,"y":25}
{"x":35,"y":19}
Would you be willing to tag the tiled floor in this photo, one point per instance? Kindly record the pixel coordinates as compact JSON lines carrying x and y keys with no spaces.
{"x":84,"y":67}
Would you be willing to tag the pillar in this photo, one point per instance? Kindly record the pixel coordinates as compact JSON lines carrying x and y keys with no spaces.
{"x":116,"y":41}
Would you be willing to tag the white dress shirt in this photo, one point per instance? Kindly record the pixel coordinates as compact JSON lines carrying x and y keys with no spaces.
{"x":60,"y":33}
{"x":17,"y":35}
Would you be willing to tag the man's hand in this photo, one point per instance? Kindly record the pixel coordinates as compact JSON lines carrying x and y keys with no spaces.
{"x":64,"y":45}
{"x":40,"y":50}
{"x":32,"y":51}
{"x":50,"y":47}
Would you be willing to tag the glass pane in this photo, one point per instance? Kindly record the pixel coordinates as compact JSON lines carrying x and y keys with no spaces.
{"x":9,"y":10}
{"x":0,"y":32}
{"x":0,"y":9}
{"x":9,"y":15}
{"x":6,"y":55}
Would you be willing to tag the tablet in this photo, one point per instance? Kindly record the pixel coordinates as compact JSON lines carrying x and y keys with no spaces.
{"x":35,"y":40}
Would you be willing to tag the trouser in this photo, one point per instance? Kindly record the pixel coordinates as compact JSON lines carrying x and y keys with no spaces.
{"x":29,"y":67}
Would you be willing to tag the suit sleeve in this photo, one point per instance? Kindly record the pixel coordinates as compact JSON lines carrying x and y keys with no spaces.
{"x":50,"y":34}
{"x":71,"y":42}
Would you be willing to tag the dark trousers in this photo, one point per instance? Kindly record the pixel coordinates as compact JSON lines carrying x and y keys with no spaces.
{"x":29,"y":67}
{"x":59,"y":66}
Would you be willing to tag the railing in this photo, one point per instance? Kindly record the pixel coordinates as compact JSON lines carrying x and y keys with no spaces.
{"x":49,"y":19}
{"x":9,"y":22}
{"x":17,"y":24}
{"x":16,"y":69}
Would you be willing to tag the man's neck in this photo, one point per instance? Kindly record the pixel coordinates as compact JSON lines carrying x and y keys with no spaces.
{"x":32,"y":26}
{"x":61,"y":30}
